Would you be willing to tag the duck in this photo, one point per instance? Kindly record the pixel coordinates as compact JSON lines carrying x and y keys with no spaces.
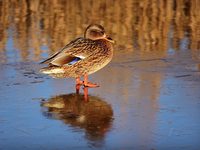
{"x":81,"y":57}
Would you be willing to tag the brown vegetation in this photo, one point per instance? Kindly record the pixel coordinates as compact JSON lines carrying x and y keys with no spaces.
{"x":135,"y":24}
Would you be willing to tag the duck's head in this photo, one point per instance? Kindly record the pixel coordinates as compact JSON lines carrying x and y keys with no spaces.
{"x":96,"y":32}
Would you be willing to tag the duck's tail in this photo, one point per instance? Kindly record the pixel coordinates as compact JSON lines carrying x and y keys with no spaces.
{"x":52,"y":70}
{"x":49,"y":59}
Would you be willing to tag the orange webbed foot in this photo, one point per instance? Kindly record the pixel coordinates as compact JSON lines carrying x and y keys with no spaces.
{"x":91,"y":85}
{"x":85,"y":83}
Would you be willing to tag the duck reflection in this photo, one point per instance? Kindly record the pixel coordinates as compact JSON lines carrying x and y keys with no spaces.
{"x":95,"y":115}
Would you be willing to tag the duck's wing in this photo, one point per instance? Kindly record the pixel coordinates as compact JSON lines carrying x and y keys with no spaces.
{"x":65,"y":48}
{"x":75,"y":51}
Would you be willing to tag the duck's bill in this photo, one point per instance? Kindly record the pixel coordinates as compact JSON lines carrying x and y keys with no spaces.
{"x":110,"y":39}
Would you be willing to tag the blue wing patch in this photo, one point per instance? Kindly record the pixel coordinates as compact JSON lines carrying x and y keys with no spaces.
{"x":75,"y":60}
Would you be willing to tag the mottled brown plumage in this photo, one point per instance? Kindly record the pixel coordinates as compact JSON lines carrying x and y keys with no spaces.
{"x":82,"y":56}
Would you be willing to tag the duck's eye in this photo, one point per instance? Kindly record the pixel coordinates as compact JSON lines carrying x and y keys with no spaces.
{"x":96,"y":33}
{"x":109,"y":38}
{"x":102,"y":32}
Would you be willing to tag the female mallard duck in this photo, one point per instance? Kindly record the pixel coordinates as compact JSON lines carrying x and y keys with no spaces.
{"x":82,"y":56}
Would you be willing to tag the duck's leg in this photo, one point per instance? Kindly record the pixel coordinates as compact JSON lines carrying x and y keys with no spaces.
{"x":85,"y":94}
{"x":77,"y":88}
{"x":78,"y":81}
{"x":78,"y":84}
{"x":88,"y":84}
